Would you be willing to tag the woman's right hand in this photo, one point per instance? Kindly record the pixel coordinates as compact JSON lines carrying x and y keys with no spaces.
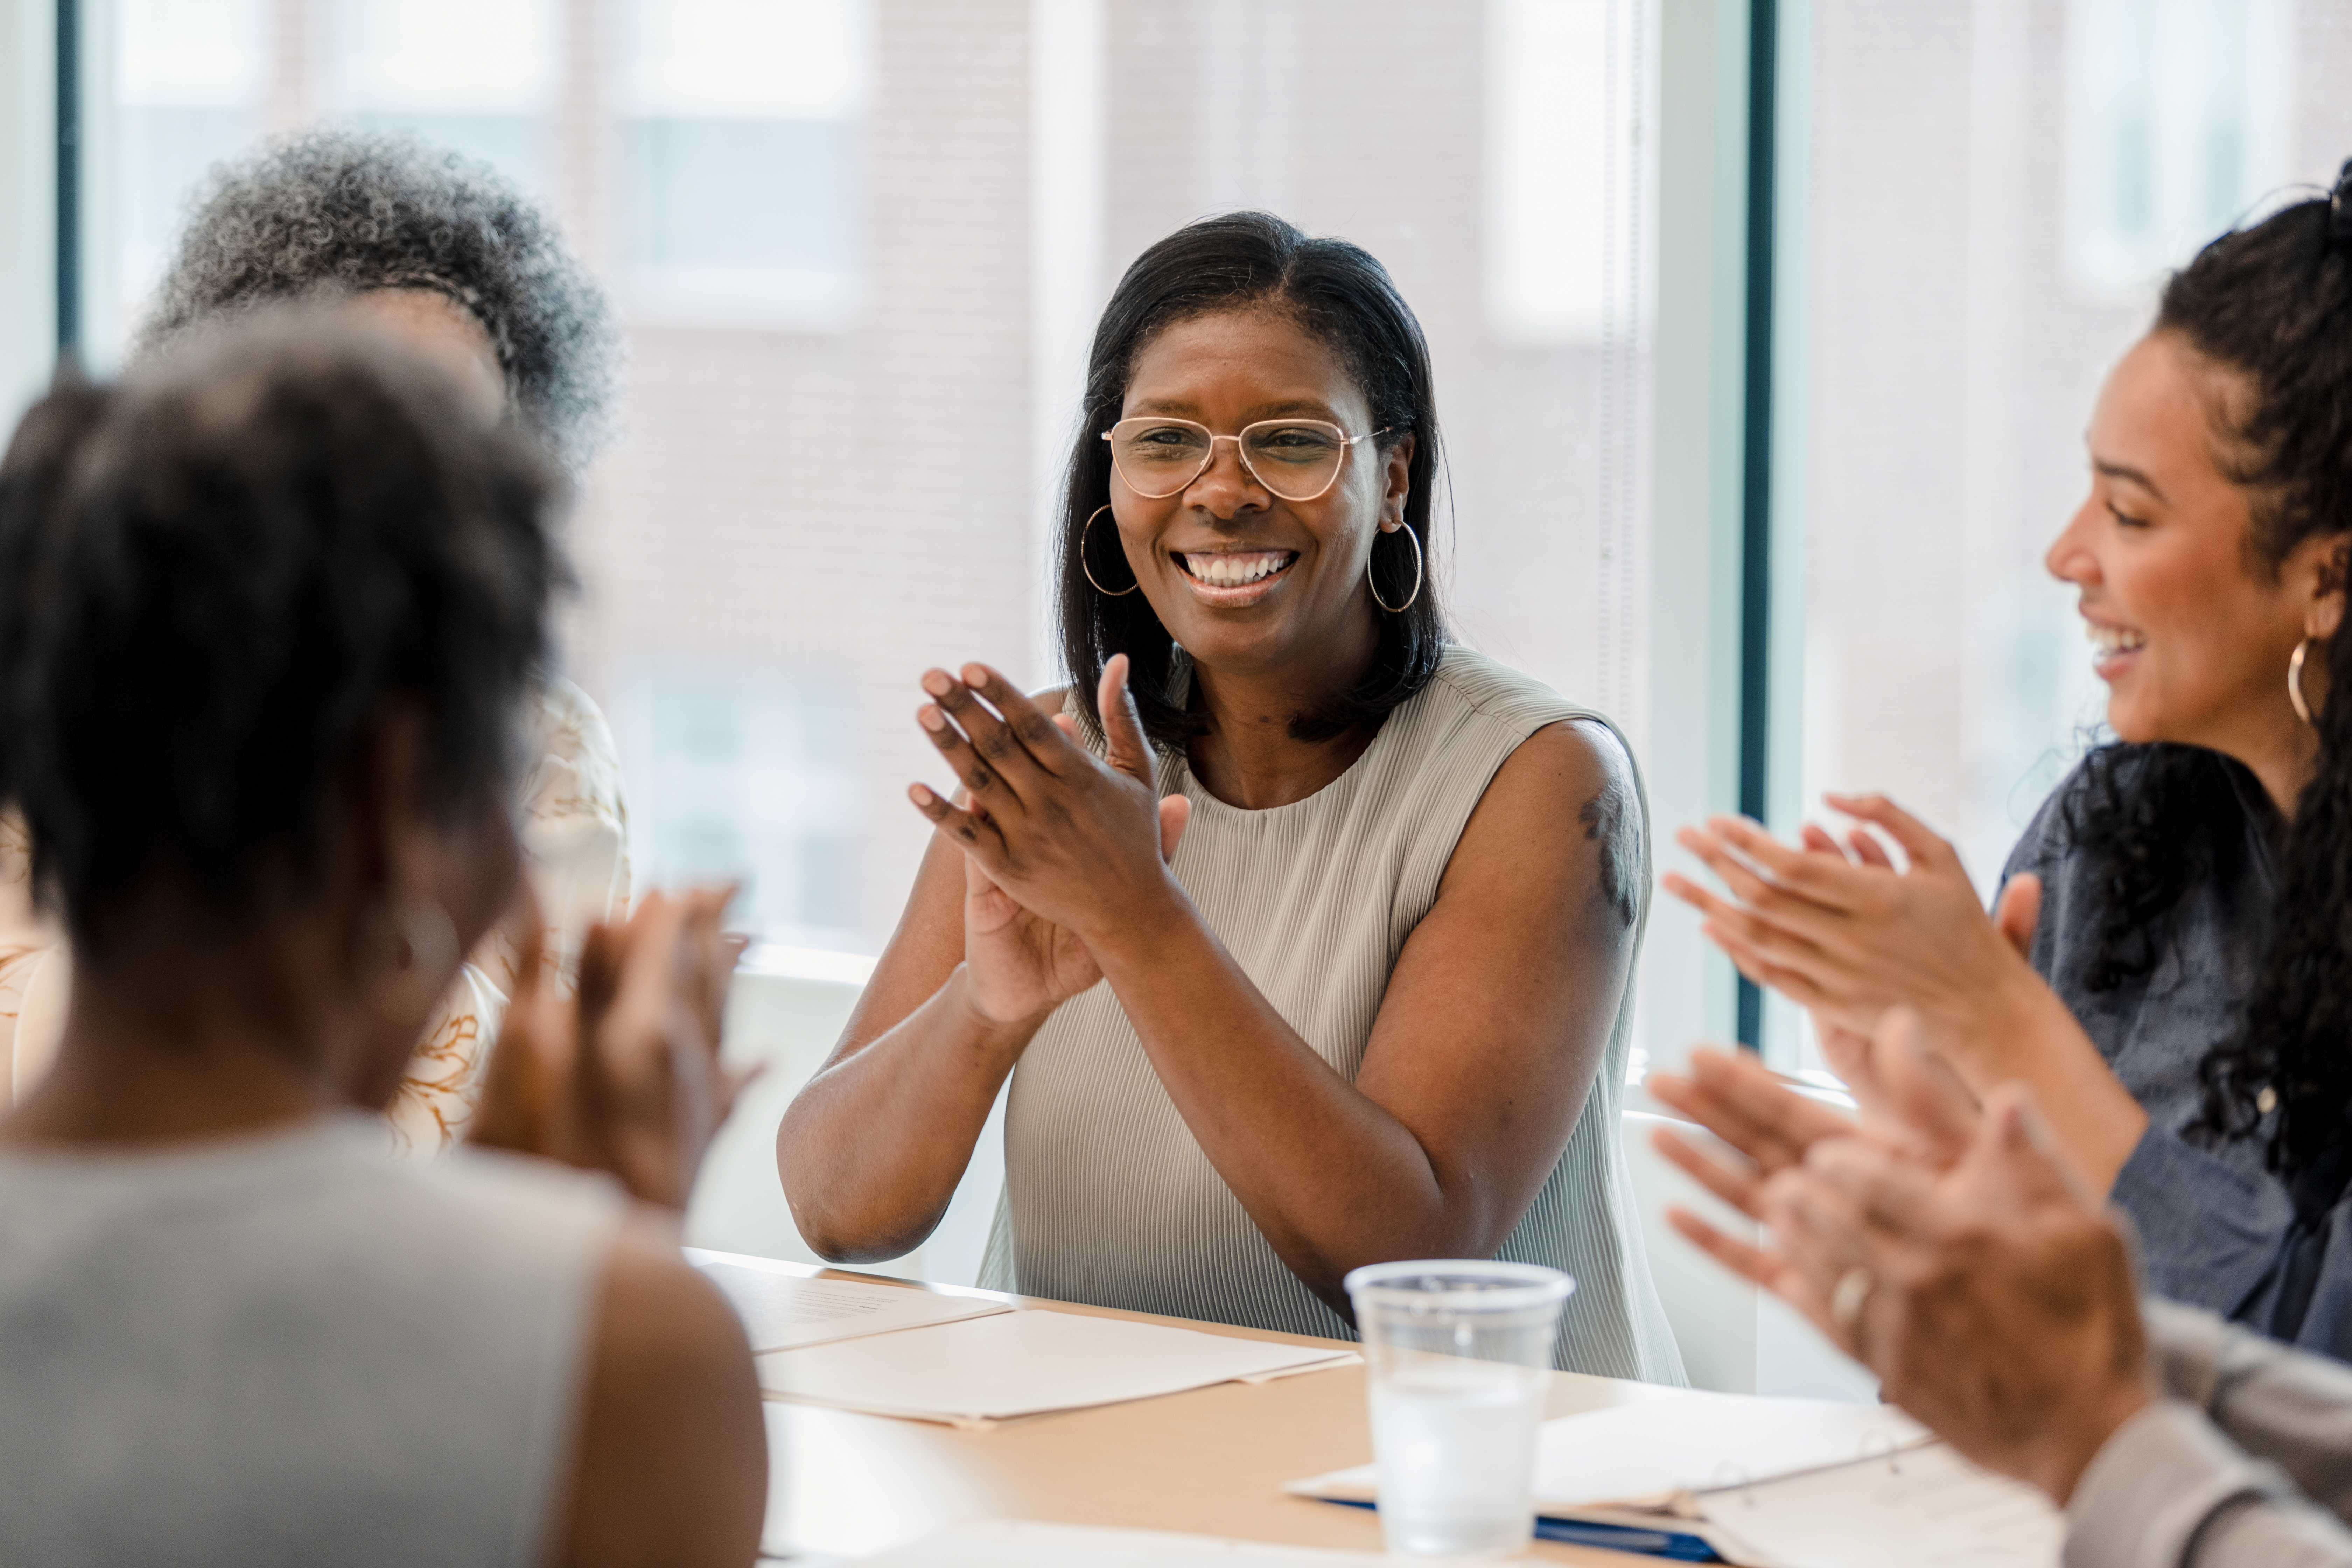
{"x":1847,"y":938}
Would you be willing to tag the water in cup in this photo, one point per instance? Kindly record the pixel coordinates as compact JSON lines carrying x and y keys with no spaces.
{"x":1458,"y":1355}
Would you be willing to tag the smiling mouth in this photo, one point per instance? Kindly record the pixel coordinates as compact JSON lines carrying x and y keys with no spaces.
{"x":1233,"y":568}
{"x":2108,"y":642}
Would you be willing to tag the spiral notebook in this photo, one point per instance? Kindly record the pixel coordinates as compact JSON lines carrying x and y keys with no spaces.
{"x":1775,"y":1483}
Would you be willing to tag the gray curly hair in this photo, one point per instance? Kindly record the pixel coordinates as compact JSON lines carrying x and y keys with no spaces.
{"x":340,"y":210}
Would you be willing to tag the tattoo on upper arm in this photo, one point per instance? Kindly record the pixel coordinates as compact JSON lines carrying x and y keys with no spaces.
{"x":1611,"y":822}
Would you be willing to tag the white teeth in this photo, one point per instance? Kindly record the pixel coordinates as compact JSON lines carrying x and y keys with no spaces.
{"x":2112,"y":639}
{"x":1233,"y":571}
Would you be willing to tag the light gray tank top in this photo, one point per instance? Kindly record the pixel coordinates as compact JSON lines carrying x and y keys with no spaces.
{"x":1109,"y":1199}
{"x":291,"y":1349}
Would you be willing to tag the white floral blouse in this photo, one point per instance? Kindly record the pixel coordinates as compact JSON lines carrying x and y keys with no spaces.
{"x":575,"y":834}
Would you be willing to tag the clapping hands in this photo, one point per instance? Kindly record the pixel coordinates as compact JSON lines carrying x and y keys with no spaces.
{"x":1946,"y":1245}
{"x":624,"y":1077}
{"x":1057,"y":844}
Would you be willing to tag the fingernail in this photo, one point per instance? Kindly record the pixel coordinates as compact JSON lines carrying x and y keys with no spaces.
{"x":921,"y":795}
{"x":932,"y":719}
{"x":938,"y":683}
{"x":975,"y":675}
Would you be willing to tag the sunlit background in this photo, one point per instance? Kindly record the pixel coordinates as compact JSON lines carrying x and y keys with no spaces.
{"x":858,"y":245}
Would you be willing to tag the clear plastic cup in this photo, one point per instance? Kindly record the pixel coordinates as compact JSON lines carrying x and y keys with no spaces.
{"x":1455,"y":1353}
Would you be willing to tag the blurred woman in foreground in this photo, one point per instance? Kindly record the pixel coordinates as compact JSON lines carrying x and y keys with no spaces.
{"x":440,"y":252}
{"x":2186,"y":897}
{"x":268,"y":617}
{"x":1955,"y":1254}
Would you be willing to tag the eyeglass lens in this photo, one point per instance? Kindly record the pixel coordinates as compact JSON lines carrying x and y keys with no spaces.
{"x":1297,"y":459}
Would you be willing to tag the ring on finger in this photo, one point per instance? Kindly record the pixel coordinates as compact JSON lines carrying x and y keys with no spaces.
{"x":1848,"y":1297}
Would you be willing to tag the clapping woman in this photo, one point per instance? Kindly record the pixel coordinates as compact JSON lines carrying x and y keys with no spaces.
{"x":2183,"y":898}
{"x":441,"y":252}
{"x":269,"y":618}
{"x":1302,"y":933}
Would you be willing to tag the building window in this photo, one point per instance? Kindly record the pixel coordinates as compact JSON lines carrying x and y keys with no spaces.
{"x":189,"y":81}
{"x":739,"y":120}
{"x":734,"y":777}
{"x":478,"y":75}
{"x":2177,"y":114}
{"x":1551,"y":106}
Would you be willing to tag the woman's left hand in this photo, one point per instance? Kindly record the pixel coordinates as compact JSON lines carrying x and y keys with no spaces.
{"x":1847,"y":939}
{"x":1077,"y":841}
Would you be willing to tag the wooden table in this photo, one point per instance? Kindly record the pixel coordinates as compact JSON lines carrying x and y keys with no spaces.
{"x":1211,"y":1461}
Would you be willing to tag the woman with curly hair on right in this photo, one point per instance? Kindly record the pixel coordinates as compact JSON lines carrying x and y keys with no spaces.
{"x":2170,"y":963}
{"x":445,"y":254}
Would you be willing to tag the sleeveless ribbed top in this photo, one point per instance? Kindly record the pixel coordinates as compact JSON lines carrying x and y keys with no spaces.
{"x":1109,"y":1199}
{"x":290,"y":1348}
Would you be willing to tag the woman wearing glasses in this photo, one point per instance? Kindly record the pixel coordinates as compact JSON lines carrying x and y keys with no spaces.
{"x":1303,"y":935}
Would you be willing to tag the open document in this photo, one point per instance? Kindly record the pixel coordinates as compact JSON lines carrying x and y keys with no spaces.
{"x":985,"y":1369}
{"x":783,"y":1309}
{"x":1776,"y":1483}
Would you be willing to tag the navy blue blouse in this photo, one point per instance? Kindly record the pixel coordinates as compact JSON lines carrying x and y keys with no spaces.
{"x":2217,"y":1228}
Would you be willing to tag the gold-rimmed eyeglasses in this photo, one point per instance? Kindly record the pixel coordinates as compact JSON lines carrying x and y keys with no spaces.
{"x":1297,"y":459}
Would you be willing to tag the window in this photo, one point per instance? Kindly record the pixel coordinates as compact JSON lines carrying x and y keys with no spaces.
{"x":479,"y":75}
{"x":1560,"y":97}
{"x":190,"y":80}
{"x":739,"y":132}
{"x":2177,"y":123}
{"x":858,"y":251}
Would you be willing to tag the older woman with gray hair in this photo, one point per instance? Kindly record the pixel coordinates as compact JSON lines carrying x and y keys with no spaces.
{"x":445,"y":253}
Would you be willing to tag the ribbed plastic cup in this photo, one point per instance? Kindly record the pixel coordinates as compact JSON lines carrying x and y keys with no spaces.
{"x":1455,"y":1353}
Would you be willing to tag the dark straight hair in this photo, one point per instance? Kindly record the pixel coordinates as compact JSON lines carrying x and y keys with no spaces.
{"x":1337,"y":292}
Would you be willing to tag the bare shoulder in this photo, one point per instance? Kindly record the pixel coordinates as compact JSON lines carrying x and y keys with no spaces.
{"x":670,"y":1463}
{"x":1566,"y":798}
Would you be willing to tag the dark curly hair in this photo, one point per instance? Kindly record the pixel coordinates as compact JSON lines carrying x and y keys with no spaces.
{"x":1344,"y":297}
{"x":2272,"y":304}
{"x":347,"y":210}
{"x":214,"y":578}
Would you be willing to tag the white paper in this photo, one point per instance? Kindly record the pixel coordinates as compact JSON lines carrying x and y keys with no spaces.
{"x":1025,"y":1363}
{"x":783,"y":1311}
{"x":1646,"y":1452}
{"x":1005,"y":1543}
{"x":1924,"y":1507}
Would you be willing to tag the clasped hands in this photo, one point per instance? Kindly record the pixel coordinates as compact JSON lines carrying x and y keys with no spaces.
{"x":1063,"y":851}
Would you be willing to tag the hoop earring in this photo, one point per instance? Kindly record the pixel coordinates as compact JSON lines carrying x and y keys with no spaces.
{"x":1090,"y":570}
{"x":2294,"y":684}
{"x":1413,"y":540}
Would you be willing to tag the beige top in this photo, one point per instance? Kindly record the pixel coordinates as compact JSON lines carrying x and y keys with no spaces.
{"x":1108,"y":1197}
{"x":576,"y":834}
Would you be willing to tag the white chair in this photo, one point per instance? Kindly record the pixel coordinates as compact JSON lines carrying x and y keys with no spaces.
{"x":784,"y":1017}
{"x":785,"y":1011}
{"x":1713,"y":1310}
{"x":1734,"y":1338}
